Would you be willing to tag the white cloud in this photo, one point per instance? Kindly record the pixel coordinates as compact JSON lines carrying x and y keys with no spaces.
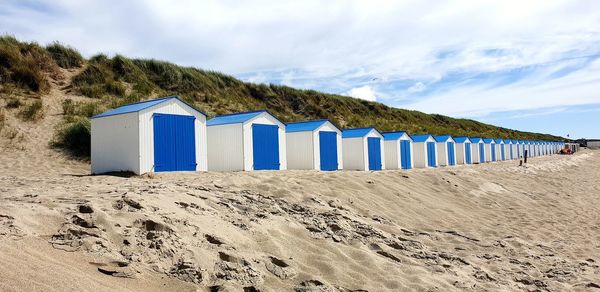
{"x":417,"y":87}
{"x":363,"y":92}
{"x":340,"y":46}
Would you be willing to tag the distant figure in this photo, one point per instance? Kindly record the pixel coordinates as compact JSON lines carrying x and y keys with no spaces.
{"x":525,"y":155}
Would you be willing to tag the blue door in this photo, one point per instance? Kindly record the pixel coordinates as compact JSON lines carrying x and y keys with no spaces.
{"x":451,"y":154}
{"x":431,"y":154}
{"x":493,"y":147}
{"x":265,"y":146}
{"x":405,"y":159}
{"x":374,"y":148}
{"x":468,"y":153}
{"x":502,"y":150}
{"x":512,"y":155}
{"x":328,"y":150}
{"x":481,"y":153}
{"x":174,"y":143}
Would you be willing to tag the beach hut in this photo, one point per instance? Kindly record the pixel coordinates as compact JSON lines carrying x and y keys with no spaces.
{"x":164,"y":134}
{"x":508,"y":149}
{"x":246,"y":141}
{"x":424,"y":151}
{"x":477,"y":150}
{"x":500,"y":153}
{"x":363,"y":149}
{"x":522,"y":148}
{"x":463,"y":150}
{"x":446,"y":150}
{"x":514,"y":146}
{"x":490,"y":149}
{"x":528,"y":147}
{"x":398,"y":150}
{"x":313,"y":145}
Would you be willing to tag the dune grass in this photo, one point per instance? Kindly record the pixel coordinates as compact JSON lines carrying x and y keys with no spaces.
{"x":32,"y":111}
{"x":25,"y":64}
{"x":64,"y":56}
{"x":74,"y":137}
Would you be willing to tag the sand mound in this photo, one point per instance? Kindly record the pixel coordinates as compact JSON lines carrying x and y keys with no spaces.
{"x":485,"y":227}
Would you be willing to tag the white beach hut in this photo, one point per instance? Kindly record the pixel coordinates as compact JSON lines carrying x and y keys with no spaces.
{"x":490,"y":150}
{"x":164,"y":134}
{"x":522,"y":148}
{"x":446,"y":150}
{"x":508,"y":149}
{"x":463,"y":150}
{"x":398,"y":150}
{"x":514,"y":146}
{"x":246,"y":141}
{"x":424,"y":151}
{"x":477,"y":150}
{"x":313,"y":145}
{"x":363,"y":149}
{"x":500,"y":153}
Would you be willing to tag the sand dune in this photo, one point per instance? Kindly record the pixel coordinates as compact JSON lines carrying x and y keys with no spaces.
{"x":487,"y":227}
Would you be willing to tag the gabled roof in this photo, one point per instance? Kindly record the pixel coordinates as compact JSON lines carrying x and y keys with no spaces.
{"x":444,"y":138}
{"x":305,"y":126}
{"x":138,"y":106}
{"x":476,"y":140}
{"x":515,"y":142}
{"x":488,"y":141}
{"x":393,"y":135}
{"x":507,"y":141}
{"x":498,"y":141}
{"x":421,"y":138}
{"x":357,"y":132}
{"x":462,"y":139}
{"x":237,"y":118}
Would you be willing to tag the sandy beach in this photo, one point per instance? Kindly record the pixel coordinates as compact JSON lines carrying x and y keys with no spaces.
{"x":492,"y":227}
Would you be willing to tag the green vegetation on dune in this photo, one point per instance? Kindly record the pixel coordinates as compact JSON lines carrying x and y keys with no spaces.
{"x":115,"y":81}
{"x":216,"y":93}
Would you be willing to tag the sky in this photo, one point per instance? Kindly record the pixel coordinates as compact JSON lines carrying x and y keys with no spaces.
{"x":526,"y":65}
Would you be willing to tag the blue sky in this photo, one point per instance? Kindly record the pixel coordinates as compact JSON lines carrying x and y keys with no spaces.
{"x":528,"y":65}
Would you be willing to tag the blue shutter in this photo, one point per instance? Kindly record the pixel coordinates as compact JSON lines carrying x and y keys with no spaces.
{"x":502,"y":150}
{"x":431,"y":154}
{"x":481,"y":153}
{"x":468,"y":153}
{"x":174,"y":143}
{"x":265,"y":146}
{"x":451,"y":157}
{"x":493,"y":148}
{"x":374,"y":152}
{"x":328,"y":150}
{"x":405,"y":154}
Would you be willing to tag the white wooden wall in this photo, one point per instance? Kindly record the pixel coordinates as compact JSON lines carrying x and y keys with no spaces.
{"x":301,"y":150}
{"x":225,"y":147}
{"x":460,"y":153}
{"x":115,"y":144}
{"x":392,"y":154}
{"x":442,"y":151}
{"x":420,"y":155}
{"x":354,"y":153}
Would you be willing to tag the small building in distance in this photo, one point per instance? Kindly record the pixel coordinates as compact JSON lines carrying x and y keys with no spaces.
{"x":424,"y":151}
{"x":463,"y":150}
{"x":164,"y":134}
{"x":446,"y":152}
{"x":398,"y":150}
{"x":246,"y":141}
{"x":313,"y":145}
{"x":363,"y":149}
